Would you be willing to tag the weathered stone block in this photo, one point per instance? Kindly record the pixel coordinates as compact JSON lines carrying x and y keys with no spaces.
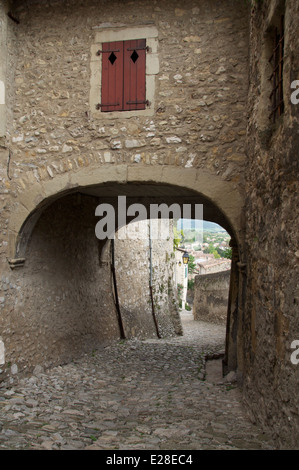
{"x":211,"y":297}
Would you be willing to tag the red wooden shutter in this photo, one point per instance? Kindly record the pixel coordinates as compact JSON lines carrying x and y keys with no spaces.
{"x":134,"y":74}
{"x":112,"y":76}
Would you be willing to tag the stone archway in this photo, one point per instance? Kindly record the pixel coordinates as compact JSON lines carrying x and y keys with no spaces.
{"x":53,"y":244}
{"x":34,"y":197}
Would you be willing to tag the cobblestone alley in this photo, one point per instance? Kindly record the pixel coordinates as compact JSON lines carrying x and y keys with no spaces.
{"x":154,"y":394}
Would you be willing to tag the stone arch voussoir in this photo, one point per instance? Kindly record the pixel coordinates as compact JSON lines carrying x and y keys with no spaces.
{"x":32,"y":200}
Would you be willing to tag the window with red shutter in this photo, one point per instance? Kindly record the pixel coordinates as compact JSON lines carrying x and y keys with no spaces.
{"x":112,"y":76}
{"x":134,"y":74}
{"x":123,"y":75}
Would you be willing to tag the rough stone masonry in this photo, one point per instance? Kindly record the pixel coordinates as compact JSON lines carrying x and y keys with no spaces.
{"x":57,"y":144}
{"x":203,"y":137}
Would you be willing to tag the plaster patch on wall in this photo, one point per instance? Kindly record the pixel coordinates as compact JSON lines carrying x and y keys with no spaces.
{"x":2,"y":352}
{"x":2,"y":109}
{"x":2,"y":92}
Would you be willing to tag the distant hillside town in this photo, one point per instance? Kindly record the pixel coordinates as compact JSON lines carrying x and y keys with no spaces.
{"x":207,"y":245}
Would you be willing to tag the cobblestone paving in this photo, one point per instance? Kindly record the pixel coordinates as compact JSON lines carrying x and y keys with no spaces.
{"x":137,"y":395}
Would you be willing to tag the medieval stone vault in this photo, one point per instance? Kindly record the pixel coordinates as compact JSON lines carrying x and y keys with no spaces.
{"x":203,"y":124}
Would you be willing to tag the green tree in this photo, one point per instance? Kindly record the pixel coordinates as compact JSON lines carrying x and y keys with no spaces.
{"x":212,"y":250}
{"x":178,"y":237}
{"x":225,"y":253}
{"x":191,"y":264}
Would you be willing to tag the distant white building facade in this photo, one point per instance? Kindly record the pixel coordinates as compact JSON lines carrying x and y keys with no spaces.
{"x":181,"y":272}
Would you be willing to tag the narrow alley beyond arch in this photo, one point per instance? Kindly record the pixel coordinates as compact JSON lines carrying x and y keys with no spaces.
{"x":152,"y":394}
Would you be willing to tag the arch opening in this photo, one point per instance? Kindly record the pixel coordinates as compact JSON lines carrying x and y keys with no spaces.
{"x":152,"y":280}
{"x":67,"y":282}
{"x":146,"y":194}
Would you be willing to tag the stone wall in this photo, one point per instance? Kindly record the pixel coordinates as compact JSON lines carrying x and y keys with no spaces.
{"x":63,"y":297}
{"x":272,"y":187}
{"x":211,"y":297}
{"x":3,"y":68}
{"x":140,"y":263}
{"x":57,"y":143}
{"x":56,"y":139}
{"x":200,"y":90}
{"x":60,"y":302}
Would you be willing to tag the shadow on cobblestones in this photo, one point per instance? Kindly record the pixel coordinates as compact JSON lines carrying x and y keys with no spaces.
{"x":151,"y":394}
